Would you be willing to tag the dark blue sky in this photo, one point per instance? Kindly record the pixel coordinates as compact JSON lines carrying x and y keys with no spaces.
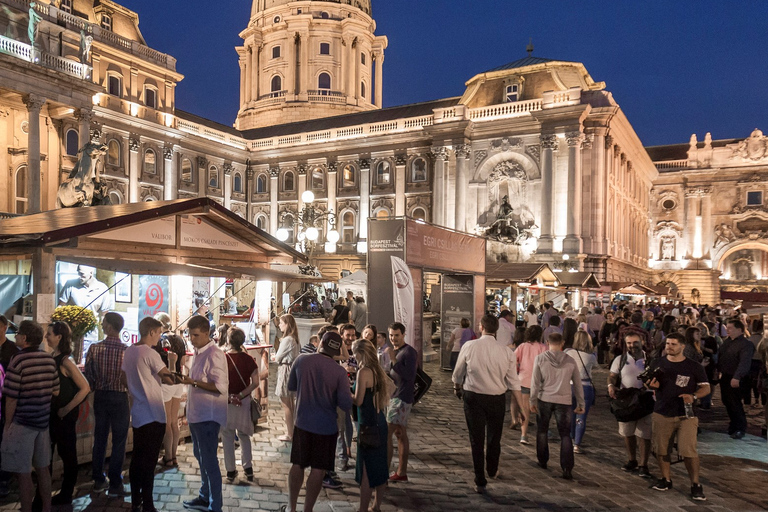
{"x":675,"y":67}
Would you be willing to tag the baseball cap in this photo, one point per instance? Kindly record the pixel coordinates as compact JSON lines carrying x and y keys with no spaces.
{"x":330,"y":345}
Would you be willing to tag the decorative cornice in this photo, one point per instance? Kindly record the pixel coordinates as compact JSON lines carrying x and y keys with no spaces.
{"x":574,"y":139}
{"x":133,"y":143}
{"x":462,"y":151}
{"x":439,"y":153}
{"x":34,"y":102}
{"x":549,"y":142}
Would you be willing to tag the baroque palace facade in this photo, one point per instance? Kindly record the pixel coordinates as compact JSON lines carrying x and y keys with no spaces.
{"x":535,"y":154}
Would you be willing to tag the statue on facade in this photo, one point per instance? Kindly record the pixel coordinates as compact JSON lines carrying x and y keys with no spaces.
{"x":85,"y":47}
{"x":509,"y":226}
{"x":723,"y":234}
{"x":83,"y":186}
{"x":667,"y":248}
{"x":34,"y":21}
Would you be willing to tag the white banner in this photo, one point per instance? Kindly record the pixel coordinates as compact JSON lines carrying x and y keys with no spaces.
{"x":402,"y":288}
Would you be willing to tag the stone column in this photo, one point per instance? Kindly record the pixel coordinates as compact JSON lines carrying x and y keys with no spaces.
{"x":707,"y":228}
{"x":274,"y":173}
{"x":304,"y":66}
{"x":691,"y":208}
{"x":133,"y":168}
{"x":290,"y":72}
{"x":351,"y":71}
{"x":34,"y":105}
{"x":599,"y":186}
{"x":462,"y":184}
{"x":572,"y":242}
{"x":365,"y":199}
{"x":358,"y":73}
{"x":400,"y":180}
{"x":332,"y":194}
{"x":133,"y":92}
{"x":301,"y":171}
{"x":255,"y":71}
{"x":43,"y":285}
{"x":439,"y":185}
{"x":379,"y":57}
{"x":171,"y":179}
{"x":548,"y":147}
{"x":202,"y":176}
{"x":84,"y":116}
{"x":249,"y":188}
{"x":472,"y":208}
{"x":227,"y":186}
{"x":249,"y":75}
{"x":243,"y":78}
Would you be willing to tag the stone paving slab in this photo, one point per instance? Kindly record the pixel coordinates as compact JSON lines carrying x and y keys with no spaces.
{"x":734,"y":473}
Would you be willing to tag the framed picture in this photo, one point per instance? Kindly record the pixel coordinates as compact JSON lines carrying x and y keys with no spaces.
{"x":123,"y":288}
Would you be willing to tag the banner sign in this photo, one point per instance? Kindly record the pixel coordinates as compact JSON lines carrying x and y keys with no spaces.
{"x":440,"y":249}
{"x":153,"y":295}
{"x":386,"y":239}
{"x":402,"y":287}
{"x":458,"y":302}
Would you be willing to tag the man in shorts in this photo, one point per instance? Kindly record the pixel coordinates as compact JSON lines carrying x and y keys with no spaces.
{"x":624,"y":372}
{"x":30,"y":384}
{"x":403,"y":371}
{"x":321,"y":386}
{"x":683,"y":380}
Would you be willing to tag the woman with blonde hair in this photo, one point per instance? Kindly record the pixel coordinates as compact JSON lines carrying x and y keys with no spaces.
{"x":584,"y":356}
{"x":286,"y":355}
{"x":171,"y":344}
{"x":370,"y":398}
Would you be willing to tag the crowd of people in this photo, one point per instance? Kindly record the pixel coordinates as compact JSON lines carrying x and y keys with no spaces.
{"x":352,"y":384}
{"x":661,"y":362}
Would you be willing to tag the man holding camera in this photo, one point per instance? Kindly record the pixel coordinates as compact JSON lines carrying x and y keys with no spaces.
{"x":678,"y":382}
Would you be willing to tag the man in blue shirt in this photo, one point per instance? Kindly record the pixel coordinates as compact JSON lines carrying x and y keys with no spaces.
{"x":404,"y":366}
{"x":321,"y":386}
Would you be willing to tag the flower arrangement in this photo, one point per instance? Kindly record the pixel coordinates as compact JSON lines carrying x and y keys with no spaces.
{"x":80,"y":320}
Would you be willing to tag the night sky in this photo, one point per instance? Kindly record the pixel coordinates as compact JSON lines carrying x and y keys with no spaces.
{"x":675,"y":67}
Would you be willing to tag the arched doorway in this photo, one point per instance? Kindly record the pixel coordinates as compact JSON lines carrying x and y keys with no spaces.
{"x":744,"y":268}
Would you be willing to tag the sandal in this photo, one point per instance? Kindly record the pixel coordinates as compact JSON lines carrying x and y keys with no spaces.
{"x":168,"y":463}
{"x":175,"y":462}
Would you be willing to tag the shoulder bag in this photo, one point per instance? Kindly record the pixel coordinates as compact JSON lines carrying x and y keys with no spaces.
{"x":594,"y":394}
{"x":255,"y":405}
{"x":630,"y":404}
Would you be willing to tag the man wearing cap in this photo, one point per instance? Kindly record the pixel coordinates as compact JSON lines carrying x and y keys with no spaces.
{"x":321,"y":386}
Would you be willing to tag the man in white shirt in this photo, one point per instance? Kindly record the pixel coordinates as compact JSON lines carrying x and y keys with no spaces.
{"x":484,"y":372}
{"x":206,"y":412}
{"x":506,"y":328}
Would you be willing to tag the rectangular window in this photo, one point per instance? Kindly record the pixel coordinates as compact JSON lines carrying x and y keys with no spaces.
{"x":754,"y":198}
{"x":106,"y":22}
{"x":325,"y":48}
{"x":114,"y":85}
{"x":150,"y":97}
{"x":66,"y":6}
{"x":512,"y":91}
{"x":275,"y":52}
{"x":362,"y":59}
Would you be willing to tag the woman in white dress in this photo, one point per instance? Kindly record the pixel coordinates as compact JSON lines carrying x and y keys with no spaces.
{"x":286,"y":354}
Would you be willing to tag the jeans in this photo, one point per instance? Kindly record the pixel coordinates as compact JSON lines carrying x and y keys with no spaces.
{"x":485,"y":416}
{"x":147,"y":440}
{"x":562,"y":413}
{"x":228,"y":443}
{"x":110,"y":412}
{"x":731,"y":398}
{"x":205,"y":444}
{"x":579,"y":421}
{"x":344,"y":441}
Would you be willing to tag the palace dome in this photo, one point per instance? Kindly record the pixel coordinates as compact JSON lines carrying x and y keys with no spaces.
{"x":263,"y":5}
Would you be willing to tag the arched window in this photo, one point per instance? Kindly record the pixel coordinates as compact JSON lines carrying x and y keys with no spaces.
{"x":115,"y":197}
{"x":72,"y":142}
{"x":21,"y":190}
{"x":324,"y":15}
{"x":150,"y":159}
{"x":381,"y":213}
{"x":288,"y":182}
{"x":348,"y":176}
{"x":237,"y":183}
{"x":324,"y":83}
{"x":419,"y":170}
{"x":261,"y":184}
{"x":106,"y":22}
{"x":348,"y":227}
{"x":318,"y":179}
{"x":419,"y":214}
{"x":113,"y":152}
{"x":288,"y":221}
{"x":115,"y":84}
{"x":186,"y":170}
{"x":150,"y":198}
{"x":213,"y":177}
{"x":362,"y":90}
{"x":277,"y":84}
{"x":261,"y":221}
{"x":383,"y":173}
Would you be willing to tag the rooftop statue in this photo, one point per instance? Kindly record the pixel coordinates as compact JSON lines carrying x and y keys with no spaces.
{"x":34,"y":21}
{"x":83,"y":186}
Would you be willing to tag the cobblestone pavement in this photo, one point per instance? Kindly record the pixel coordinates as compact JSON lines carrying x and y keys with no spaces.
{"x":734,"y":473}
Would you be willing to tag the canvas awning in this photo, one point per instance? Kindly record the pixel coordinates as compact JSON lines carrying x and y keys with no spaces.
{"x":635,"y":289}
{"x":533,"y":274}
{"x":579,"y":280}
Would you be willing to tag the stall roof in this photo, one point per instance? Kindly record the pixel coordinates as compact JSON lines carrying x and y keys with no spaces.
{"x":512,"y":273}
{"x":633,"y":289}
{"x":578,"y":280}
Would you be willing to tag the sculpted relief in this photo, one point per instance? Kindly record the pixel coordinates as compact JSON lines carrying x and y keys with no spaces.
{"x":753,"y":148}
{"x":508,"y":191}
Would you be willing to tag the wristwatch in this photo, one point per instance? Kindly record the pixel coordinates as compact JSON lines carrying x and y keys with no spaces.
{"x":194,"y":384}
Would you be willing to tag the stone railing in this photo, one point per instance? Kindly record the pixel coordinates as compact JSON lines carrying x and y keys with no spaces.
{"x":26,"y":53}
{"x":511,"y":109}
{"x":210,"y":133}
{"x":8,"y":215}
{"x":326,"y":96}
{"x":672,"y":164}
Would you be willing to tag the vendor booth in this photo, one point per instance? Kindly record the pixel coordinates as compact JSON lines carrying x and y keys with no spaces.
{"x":582,"y":288}
{"x":412,"y":264}
{"x":520,"y":284}
{"x":145,"y":258}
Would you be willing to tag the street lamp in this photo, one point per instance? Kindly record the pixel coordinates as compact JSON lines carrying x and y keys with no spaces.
{"x":308,"y":226}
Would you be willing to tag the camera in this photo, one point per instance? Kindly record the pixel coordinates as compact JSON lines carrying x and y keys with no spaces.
{"x":650,"y":373}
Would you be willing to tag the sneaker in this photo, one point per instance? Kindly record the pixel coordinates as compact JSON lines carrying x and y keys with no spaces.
{"x":331,"y":481}
{"x":248,"y":474}
{"x":577,"y":449}
{"x":196,"y":504}
{"x":345,"y":466}
{"x":644,"y":472}
{"x":630,"y":466}
{"x":697,"y":493}
{"x":100,"y":487}
{"x":662,"y":485}
{"x":231,"y":475}
{"x":737,"y":435}
{"x":480,"y":489}
{"x":524,"y":440}
{"x":394,"y":477}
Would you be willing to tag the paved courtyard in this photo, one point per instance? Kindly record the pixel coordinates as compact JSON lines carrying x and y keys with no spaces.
{"x":734,"y":473}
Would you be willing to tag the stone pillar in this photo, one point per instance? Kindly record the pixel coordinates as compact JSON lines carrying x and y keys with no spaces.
{"x":84,"y":116}
{"x":256,"y":72}
{"x":548,"y":147}
{"x":274,"y":173}
{"x":707,"y":227}
{"x":171,"y":179}
{"x":462,"y":184}
{"x":249,"y":74}
{"x":379,"y":57}
{"x":227,"y":186}
{"x":34,"y":105}
{"x":599,"y":186}
{"x":691,"y":209}
{"x":202,"y":176}
{"x":332,"y":194}
{"x":400,"y":180}
{"x":290,"y":71}
{"x":351,"y":71}
{"x":358,"y":73}
{"x":572,"y":242}
{"x":365,"y":199}
{"x":43,"y":285}
{"x":439,"y":185}
{"x":302,"y":184}
{"x":243,"y":78}
{"x":249,"y":188}
{"x":133,"y":92}
{"x":304,"y":79}
{"x":472,"y":208}
{"x":133,"y":169}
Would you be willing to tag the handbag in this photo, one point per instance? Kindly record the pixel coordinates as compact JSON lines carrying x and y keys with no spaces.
{"x":422,"y":385}
{"x":631,"y":404}
{"x":256,"y":410}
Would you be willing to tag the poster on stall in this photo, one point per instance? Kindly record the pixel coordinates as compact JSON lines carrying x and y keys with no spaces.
{"x":153,"y":295}
{"x":402,"y":288}
{"x":385,"y":239}
{"x":458,"y":303}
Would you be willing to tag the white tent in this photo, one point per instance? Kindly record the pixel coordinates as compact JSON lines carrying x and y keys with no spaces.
{"x":356,"y":282}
